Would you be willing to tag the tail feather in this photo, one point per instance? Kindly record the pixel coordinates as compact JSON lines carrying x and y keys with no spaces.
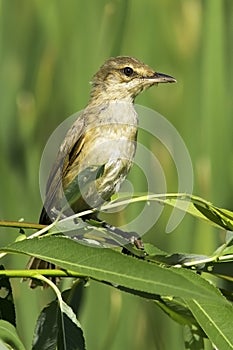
{"x":36,"y":263}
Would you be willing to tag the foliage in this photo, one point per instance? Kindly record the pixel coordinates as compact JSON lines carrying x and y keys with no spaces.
{"x":174,"y":282}
{"x":48,"y":54}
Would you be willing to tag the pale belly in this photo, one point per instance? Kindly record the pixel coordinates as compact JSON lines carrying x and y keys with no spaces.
{"x":110,"y":161}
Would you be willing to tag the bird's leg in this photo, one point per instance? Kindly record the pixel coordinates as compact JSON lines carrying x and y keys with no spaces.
{"x":131,"y":237}
{"x":131,"y":242}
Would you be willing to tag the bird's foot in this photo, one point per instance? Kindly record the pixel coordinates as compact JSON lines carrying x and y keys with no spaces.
{"x":131,"y":239}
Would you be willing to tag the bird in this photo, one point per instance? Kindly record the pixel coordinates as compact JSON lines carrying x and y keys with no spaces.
{"x":98,"y":150}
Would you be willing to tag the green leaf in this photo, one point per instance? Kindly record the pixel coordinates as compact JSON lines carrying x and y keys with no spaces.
{"x":116,"y":268}
{"x":58,"y":328}
{"x":9,"y":336}
{"x":176,"y":309}
{"x":7,"y":307}
{"x":92,"y":234}
{"x":221,"y":269}
{"x":202,"y":209}
{"x":193,"y":205}
{"x":229,"y":238}
{"x":193,"y":339}
{"x":216,"y":319}
{"x":228,"y":251}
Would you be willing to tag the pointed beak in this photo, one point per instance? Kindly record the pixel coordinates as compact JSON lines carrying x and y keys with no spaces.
{"x":163,"y":78}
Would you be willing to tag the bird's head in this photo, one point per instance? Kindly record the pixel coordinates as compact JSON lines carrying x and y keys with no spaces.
{"x":125,"y":77}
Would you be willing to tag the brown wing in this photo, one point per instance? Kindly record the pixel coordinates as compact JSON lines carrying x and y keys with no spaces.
{"x":68,"y":152}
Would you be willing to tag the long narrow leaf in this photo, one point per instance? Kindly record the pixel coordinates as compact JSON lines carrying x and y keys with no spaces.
{"x":216,"y":320}
{"x":116,"y":268}
{"x":196,"y":206}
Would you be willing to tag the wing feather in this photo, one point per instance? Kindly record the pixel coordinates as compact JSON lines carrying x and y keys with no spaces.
{"x":68,"y":152}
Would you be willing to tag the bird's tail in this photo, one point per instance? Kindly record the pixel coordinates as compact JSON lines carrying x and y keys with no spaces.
{"x":37,"y":263}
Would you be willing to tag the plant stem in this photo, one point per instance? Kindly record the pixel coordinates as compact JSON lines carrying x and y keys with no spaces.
{"x":21,"y":224}
{"x":44,"y":272}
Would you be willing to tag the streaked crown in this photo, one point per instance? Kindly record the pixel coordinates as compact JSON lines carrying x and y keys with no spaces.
{"x":125,"y":77}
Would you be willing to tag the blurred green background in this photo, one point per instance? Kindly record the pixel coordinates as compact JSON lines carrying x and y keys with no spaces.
{"x":49,"y":51}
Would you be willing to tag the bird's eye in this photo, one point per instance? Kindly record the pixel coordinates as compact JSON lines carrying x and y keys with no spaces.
{"x":128,"y":71}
